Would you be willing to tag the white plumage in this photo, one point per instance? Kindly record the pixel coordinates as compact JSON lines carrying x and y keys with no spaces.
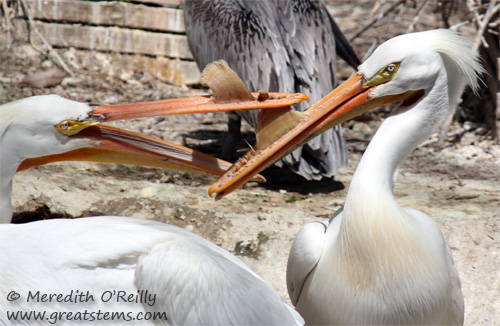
{"x":189,"y":279}
{"x":161,"y":267}
{"x":375,"y":262}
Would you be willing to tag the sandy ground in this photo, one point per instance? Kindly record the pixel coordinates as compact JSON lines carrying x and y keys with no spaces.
{"x":458,"y":185}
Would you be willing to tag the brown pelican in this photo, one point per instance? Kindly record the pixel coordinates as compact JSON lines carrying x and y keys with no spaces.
{"x":275,"y":45}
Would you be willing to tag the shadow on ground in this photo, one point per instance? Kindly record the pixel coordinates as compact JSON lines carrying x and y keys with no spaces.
{"x":277,"y":178}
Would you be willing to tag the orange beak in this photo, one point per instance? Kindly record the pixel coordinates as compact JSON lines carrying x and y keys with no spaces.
{"x":114,"y":145}
{"x":110,"y":144}
{"x":195,"y":104}
{"x":347,"y":101}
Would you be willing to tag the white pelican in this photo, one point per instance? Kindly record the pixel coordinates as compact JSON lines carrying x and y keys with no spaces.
{"x":113,"y":268}
{"x":275,"y":45}
{"x":81,"y":137}
{"x":375,"y":262}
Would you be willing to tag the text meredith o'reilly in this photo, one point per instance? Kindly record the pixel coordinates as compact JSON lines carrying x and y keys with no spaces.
{"x":77,"y":296}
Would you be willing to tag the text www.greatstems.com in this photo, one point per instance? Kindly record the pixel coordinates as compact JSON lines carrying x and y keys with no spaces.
{"x":85,"y":315}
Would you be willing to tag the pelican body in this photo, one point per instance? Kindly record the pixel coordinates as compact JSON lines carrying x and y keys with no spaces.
{"x":374,"y":262}
{"x":172,"y":274}
{"x":89,"y":269}
{"x":275,"y":45}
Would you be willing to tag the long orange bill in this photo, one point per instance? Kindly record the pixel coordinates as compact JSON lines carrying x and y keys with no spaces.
{"x":229,"y":93}
{"x":195,"y":104}
{"x":113,"y":145}
{"x":110,"y":144}
{"x":345,"y":102}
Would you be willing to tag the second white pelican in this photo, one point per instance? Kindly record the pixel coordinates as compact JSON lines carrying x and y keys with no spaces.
{"x":375,"y":262}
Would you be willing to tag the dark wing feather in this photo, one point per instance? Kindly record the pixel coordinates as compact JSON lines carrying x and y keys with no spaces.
{"x":312,"y":50}
{"x":242,"y":35}
{"x":286,"y":46}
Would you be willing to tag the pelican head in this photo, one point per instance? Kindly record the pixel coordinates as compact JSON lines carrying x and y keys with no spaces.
{"x":420,"y":56}
{"x":48,"y":128}
{"x":42,"y":125}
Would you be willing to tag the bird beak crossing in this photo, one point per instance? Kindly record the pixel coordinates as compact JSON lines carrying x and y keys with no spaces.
{"x":114,"y":145}
{"x":350,"y":99}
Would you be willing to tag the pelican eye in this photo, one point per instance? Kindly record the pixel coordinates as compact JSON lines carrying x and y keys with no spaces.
{"x":71,"y":127}
{"x":384,"y":75}
{"x":390,"y":69}
{"x":65,"y":125}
